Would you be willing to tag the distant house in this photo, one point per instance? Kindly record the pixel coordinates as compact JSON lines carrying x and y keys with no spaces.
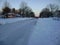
{"x":9,"y":15}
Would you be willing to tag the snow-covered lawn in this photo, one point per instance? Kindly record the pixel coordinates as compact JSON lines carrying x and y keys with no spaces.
{"x":11,"y":20}
{"x":30,"y":31}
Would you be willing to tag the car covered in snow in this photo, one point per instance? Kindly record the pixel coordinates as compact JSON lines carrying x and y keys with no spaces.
{"x":17,"y":15}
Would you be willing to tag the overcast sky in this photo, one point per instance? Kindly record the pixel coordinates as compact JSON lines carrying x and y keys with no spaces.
{"x":36,"y":5}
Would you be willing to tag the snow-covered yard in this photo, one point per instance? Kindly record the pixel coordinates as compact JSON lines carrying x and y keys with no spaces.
{"x":11,"y":20}
{"x":30,"y":31}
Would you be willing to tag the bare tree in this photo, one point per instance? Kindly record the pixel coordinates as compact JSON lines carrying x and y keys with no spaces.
{"x":13,"y":10}
{"x":6,"y":4}
{"x":23,"y":5}
{"x":53,"y":7}
{"x":25,"y":9}
{"x":6,"y":8}
{"x":45,"y":13}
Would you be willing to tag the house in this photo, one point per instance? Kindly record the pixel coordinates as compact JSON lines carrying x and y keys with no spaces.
{"x":9,"y":15}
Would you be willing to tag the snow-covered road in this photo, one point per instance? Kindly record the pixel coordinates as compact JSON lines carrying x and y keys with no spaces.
{"x":46,"y":32}
{"x":43,"y":31}
{"x":16,"y":33}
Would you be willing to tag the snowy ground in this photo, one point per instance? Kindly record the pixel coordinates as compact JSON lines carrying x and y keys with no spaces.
{"x":46,"y":32}
{"x":42,"y":31}
{"x":11,"y":20}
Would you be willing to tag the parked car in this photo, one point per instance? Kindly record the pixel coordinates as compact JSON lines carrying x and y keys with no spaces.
{"x":17,"y":15}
